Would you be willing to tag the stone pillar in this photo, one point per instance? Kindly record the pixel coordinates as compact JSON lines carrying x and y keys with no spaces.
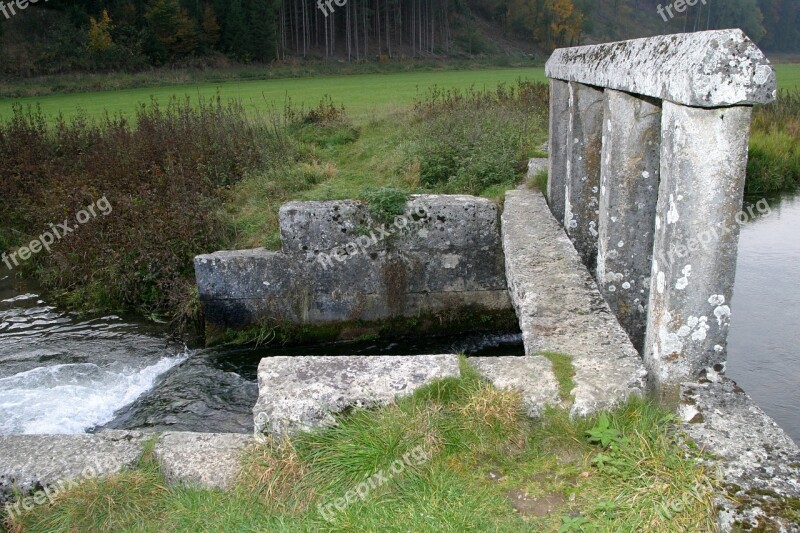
{"x":703,"y":165}
{"x":628,"y":194}
{"x":584,"y":140}
{"x":557,"y":160}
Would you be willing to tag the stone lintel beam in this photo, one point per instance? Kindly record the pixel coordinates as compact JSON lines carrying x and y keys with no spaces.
{"x":703,"y":165}
{"x":704,"y":69}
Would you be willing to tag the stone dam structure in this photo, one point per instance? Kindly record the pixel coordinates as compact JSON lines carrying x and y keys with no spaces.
{"x":647,"y":153}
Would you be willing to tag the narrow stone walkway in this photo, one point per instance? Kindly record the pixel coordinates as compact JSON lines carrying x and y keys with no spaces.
{"x":561,"y":311}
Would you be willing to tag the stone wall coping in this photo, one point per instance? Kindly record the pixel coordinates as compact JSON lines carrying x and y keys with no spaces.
{"x":715,"y":68}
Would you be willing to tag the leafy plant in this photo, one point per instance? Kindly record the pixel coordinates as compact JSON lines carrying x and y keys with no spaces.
{"x":602,"y":433}
{"x":386,"y":203}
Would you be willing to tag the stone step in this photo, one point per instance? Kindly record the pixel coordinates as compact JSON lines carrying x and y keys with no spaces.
{"x":759,"y":464}
{"x":532,"y":375}
{"x":206,"y":460}
{"x":560,"y":310}
{"x":47,"y":464}
{"x":304,"y":393}
{"x":36,"y":468}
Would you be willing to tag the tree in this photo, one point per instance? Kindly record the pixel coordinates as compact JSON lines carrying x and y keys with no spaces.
{"x":235,"y":36}
{"x":261,"y":35}
{"x":210,"y":26}
{"x":99,"y":41}
{"x":173,"y":31}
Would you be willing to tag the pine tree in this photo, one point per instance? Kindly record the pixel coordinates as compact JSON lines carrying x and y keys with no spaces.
{"x":261,"y":42}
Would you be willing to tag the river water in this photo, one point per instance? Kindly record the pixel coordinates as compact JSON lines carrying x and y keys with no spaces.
{"x":764,"y":341}
{"x":67,"y":373}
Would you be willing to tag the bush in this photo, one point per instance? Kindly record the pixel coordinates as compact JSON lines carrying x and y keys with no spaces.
{"x":162,"y":173}
{"x":386,"y":203}
{"x":470,"y":141}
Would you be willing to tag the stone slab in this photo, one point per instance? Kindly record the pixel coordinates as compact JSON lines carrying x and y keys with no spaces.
{"x":759,"y":462}
{"x":531,"y":375}
{"x":304,"y":393}
{"x":704,"y":69}
{"x":430,"y":222}
{"x":560,"y":309}
{"x":28,"y":463}
{"x":205,"y":460}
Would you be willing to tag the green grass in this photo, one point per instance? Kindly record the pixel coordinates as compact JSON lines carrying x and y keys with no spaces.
{"x":788,"y":75}
{"x":472,"y":462}
{"x":564,"y":372}
{"x":364,"y":95}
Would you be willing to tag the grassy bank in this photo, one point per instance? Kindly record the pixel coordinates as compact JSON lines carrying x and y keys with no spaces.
{"x":774,"y":160}
{"x":472,"y":462}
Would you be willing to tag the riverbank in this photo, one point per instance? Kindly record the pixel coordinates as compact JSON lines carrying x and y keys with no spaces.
{"x":479,"y":464}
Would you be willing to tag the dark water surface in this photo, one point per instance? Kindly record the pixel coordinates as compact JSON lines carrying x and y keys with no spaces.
{"x":764,"y":341}
{"x":66,"y":373}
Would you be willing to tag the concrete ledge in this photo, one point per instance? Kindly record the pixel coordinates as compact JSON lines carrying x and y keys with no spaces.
{"x":304,"y":393}
{"x":560,"y":309}
{"x":205,"y":460}
{"x":759,"y":462}
{"x":30,"y":463}
{"x":703,"y":69}
{"x":340,"y":266}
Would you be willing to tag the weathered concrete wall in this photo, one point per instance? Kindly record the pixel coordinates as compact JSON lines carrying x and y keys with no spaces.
{"x":339,"y":265}
{"x":703,"y":165}
{"x":584,"y":142}
{"x":558,"y":147}
{"x":703,"y":69}
{"x":678,"y":236}
{"x":628,"y":195}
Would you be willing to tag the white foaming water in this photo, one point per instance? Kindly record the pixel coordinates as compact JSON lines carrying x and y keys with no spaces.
{"x":72,"y":398}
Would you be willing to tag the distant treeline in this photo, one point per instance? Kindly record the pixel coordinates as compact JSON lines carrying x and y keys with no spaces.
{"x":75,"y":35}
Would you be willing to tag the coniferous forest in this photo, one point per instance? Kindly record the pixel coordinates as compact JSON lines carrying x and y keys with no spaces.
{"x":96,"y":35}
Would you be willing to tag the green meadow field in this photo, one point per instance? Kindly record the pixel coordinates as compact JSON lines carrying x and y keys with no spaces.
{"x":364,"y":95}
